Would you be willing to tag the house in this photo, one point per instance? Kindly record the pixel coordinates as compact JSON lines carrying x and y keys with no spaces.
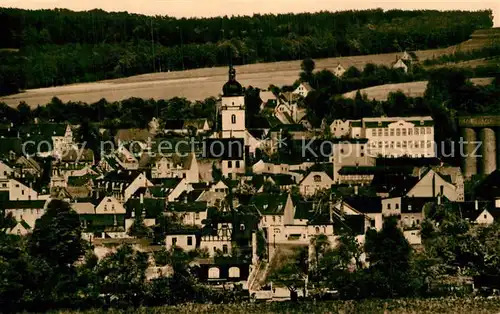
{"x":185,"y":238}
{"x":176,"y":166}
{"x":6,"y":171}
{"x":191,"y":214}
{"x":371,"y":207}
{"x":187,"y":127}
{"x":288,"y":111}
{"x":133,"y":135}
{"x":303,"y":89}
{"x":122,"y":184}
{"x":217,"y":241}
{"x":406,"y":56}
{"x":340,"y":128}
{"x":400,"y":65}
{"x":268,"y":99}
{"x":315,"y":181}
{"x":55,"y":138}
{"x":20,"y":229}
{"x":433,"y":185}
{"x":28,"y":165}
{"x":25,"y":211}
{"x":17,"y":190}
{"x":101,"y":218}
{"x":349,"y":153}
{"x":339,"y":70}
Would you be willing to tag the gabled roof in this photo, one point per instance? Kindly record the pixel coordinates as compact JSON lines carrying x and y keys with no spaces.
{"x":127,"y":135}
{"x":394,"y":184}
{"x":121,"y":175}
{"x":152,"y":207}
{"x":269,"y":204}
{"x":82,"y":208}
{"x":23,"y":204}
{"x":365,"y":205}
{"x":415,"y":204}
{"x":73,"y":155}
{"x":187,"y":207}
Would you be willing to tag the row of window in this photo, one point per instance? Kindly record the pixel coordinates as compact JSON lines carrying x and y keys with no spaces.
{"x":401,"y":131}
{"x":401,"y":144}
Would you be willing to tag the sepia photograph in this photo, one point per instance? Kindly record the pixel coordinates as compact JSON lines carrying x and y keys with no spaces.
{"x":249,"y":156}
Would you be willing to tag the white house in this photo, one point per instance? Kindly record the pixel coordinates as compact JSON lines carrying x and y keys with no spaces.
{"x":400,"y":136}
{"x":141,"y":181}
{"x":400,"y":65}
{"x":110,"y":205}
{"x":17,"y":190}
{"x":303,"y":89}
{"x":315,"y":181}
{"x":184,"y":239}
{"x":339,"y":70}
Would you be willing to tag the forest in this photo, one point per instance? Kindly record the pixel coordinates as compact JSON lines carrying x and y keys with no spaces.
{"x":44,"y":48}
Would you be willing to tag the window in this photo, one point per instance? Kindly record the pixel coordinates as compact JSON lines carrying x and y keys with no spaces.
{"x":388,"y":206}
{"x":274,"y":218}
{"x":386,"y":132}
{"x":213,"y":272}
{"x":237,"y":164}
{"x":234,"y":272}
{"x":265,"y":219}
{"x":398,"y":132}
{"x":277,"y":230}
{"x":230,"y":164}
{"x":105,"y":208}
{"x":392,"y":132}
{"x":233,"y":119}
{"x":317,"y":230}
{"x":397,"y":206}
{"x":403,"y":132}
{"x":416,"y":131}
{"x":242,"y":227}
{"x":197,"y":215}
{"x":379,"y":132}
{"x":410,"y":131}
{"x":224,"y":249}
{"x":190,"y":240}
{"x":317,"y":178}
{"x":429,"y":130}
{"x":429,"y":144}
{"x":404,"y":144}
{"x":22,"y":192}
{"x":409,"y":208}
{"x":174,"y":241}
{"x":441,"y":189}
{"x":484,"y":216}
{"x":374,"y":132}
{"x":398,"y":144}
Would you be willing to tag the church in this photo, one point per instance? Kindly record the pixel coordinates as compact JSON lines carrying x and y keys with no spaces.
{"x":232,"y":110}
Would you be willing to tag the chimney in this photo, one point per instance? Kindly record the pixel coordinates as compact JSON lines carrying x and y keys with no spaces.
{"x":355,"y":190}
{"x":439,"y":200}
{"x":141,"y":198}
{"x":476,"y":205}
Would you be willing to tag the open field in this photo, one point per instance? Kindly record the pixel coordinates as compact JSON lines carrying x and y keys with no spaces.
{"x":199,"y":84}
{"x":400,"y":306}
{"x":411,"y":89}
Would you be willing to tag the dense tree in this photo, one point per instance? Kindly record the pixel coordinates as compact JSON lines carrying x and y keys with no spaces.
{"x":57,"y":236}
{"x":61,"y":47}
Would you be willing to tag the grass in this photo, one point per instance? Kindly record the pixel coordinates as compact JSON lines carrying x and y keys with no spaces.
{"x":400,"y":306}
{"x":199,"y":84}
{"x":411,"y":89}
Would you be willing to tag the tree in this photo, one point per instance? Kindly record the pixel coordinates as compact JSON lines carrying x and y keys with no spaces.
{"x":307,"y":67}
{"x":138,"y":229}
{"x":389,"y":254}
{"x":57,"y":236}
{"x":320,"y":244}
{"x":122,"y":275}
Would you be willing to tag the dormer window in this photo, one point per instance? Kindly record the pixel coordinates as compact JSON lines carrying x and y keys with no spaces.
{"x":233,"y":119}
{"x":317,"y":178}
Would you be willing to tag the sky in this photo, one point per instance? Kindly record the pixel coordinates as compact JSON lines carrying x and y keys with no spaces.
{"x":206,"y":8}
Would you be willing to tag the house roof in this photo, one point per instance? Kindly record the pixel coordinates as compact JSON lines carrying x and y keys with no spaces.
{"x":74,"y":155}
{"x":415,"y":204}
{"x":394,"y":184}
{"x":307,"y":86}
{"x":489,"y":188}
{"x":152,"y":207}
{"x":178,"y":124}
{"x":366,"y":205}
{"x":283,"y":179}
{"x":386,"y":121}
{"x":127,"y":135}
{"x":80,"y":180}
{"x":187,"y":206}
{"x":168,"y":183}
{"x":23,"y":204}
{"x":352,"y":224}
{"x":83,"y":208}
{"x":266,"y":96}
{"x":407,"y":162}
{"x":121,"y":175}
{"x":269,"y":204}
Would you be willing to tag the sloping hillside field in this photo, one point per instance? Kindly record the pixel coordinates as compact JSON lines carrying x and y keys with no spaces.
{"x":202,"y":83}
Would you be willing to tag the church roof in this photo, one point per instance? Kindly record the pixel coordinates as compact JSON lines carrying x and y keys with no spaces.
{"x":232,"y":87}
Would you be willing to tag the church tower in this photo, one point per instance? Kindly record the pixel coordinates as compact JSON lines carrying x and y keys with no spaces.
{"x":233,"y":108}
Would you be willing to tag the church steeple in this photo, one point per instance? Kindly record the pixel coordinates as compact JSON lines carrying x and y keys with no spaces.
{"x":232,"y":88}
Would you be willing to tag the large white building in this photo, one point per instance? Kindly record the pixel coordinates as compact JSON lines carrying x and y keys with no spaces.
{"x":391,"y":136}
